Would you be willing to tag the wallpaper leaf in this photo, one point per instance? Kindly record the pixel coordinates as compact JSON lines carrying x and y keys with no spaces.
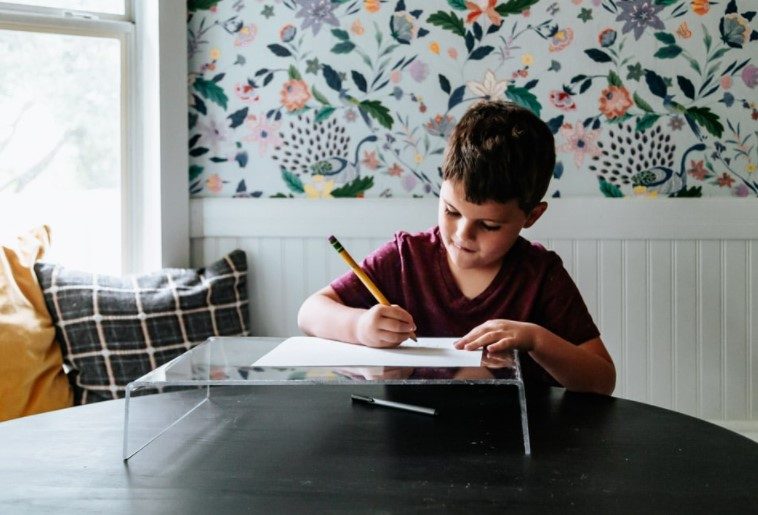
{"x":448,"y":21}
{"x":199,"y":5}
{"x":704,"y":117}
{"x":598,"y":55}
{"x":514,"y":6}
{"x":355,"y":188}
{"x":293,"y":181}
{"x":209,"y":90}
{"x":324,"y":113}
{"x":444,"y":83}
{"x":333,"y":79}
{"x":524,"y":97}
{"x":279,"y":50}
{"x":646,"y":121}
{"x":360,"y":81}
{"x":377,"y":111}
{"x":238,"y":117}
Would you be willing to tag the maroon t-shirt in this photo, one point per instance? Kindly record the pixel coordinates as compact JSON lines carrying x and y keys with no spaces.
{"x":532,"y":286}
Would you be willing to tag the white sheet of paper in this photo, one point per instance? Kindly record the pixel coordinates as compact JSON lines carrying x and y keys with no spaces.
{"x":304,"y":351}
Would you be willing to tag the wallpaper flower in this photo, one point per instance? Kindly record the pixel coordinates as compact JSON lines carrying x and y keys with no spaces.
{"x":354,"y":98}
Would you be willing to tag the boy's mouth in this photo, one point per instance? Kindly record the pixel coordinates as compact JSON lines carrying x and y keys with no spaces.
{"x":461,"y":247}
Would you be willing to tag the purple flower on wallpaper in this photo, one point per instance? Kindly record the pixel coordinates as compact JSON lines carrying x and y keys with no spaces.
{"x":740,"y":191}
{"x":580,"y":142}
{"x":418,"y":70}
{"x":750,"y":76}
{"x":637,"y":15}
{"x":409,"y":182}
{"x":212,"y":132}
{"x":350,"y":115}
{"x":676,"y":123}
{"x":440,"y":125}
{"x":264,"y":132}
{"x":315,"y":13}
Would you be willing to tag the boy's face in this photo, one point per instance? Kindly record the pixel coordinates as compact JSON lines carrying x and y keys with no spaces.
{"x":477,"y":236}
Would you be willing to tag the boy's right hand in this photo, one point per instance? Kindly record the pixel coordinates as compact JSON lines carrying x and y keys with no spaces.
{"x":384,"y":326}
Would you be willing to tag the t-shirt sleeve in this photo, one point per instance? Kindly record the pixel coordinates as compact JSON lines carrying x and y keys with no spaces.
{"x":561,"y":308}
{"x":381,"y":266}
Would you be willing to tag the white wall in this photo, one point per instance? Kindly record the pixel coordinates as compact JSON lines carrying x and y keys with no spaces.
{"x":672,"y":284}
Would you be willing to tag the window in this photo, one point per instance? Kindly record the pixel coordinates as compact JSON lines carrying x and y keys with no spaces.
{"x":82,"y":148}
{"x":64,"y":103}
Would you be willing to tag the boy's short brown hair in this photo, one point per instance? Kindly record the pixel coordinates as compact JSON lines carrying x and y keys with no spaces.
{"x":501,"y":151}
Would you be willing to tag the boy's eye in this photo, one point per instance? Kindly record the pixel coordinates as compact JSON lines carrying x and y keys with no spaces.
{"x":450,"y":212}
{"x":488,"y":227}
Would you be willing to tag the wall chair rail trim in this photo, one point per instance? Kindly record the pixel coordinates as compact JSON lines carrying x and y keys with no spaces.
{"x":575,"y":218}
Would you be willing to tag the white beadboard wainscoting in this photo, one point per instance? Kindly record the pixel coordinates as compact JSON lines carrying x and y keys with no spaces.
{"x":671,"y":283}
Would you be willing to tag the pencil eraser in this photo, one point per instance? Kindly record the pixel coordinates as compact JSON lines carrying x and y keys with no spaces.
{"x":332,"y":239}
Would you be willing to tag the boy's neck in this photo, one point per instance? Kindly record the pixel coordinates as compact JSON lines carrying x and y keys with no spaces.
{"x":473,"y":281}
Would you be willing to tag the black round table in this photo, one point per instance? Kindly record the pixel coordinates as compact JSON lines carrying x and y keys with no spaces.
{"x":307,"y":449}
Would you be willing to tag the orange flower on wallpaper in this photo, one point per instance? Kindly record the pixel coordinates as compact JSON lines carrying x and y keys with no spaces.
{"x":684,"y":31}
{"x":614,"y":101}
{"x":214,"y":183}
{"x":371,"y":6}
{"x":476,"y":10}
{"x":700,"y":7}
{"x":357,"y":28}
{"x":370,"y":160}
{"x":725,"y":180}
{"x":295,"y":94}
{"x":697,"y":170}
{"x":561,"y":40}
{"x":395,"y":170}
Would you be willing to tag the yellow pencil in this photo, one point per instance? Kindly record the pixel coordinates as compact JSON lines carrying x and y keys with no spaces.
{"x":365,"y":279}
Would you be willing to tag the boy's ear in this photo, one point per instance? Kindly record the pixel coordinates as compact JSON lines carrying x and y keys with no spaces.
{"x":535,"y":214}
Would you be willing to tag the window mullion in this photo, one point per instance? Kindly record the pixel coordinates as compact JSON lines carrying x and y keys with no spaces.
{"x":15,"y":20}
{"x":53,"y":12}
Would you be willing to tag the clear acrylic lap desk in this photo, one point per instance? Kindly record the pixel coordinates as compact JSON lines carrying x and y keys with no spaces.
{"x":193,"y":377}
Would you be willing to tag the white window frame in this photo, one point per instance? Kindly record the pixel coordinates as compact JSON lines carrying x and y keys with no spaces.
{"x":154,"y":158}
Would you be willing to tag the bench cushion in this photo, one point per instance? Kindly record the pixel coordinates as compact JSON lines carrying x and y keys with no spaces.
{"x":116,"y":329}
{"x":31,"y":367}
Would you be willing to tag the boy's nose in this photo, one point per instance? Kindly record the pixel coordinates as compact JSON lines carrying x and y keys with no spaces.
{"x":465,"y":232}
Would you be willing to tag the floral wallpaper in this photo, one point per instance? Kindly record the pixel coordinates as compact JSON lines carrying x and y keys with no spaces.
{"x":356,"y":98}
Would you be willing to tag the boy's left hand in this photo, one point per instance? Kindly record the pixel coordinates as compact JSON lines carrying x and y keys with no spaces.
{"x":500,"y":335}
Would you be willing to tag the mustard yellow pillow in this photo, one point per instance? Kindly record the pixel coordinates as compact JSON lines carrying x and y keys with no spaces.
{"x":31,"y":366}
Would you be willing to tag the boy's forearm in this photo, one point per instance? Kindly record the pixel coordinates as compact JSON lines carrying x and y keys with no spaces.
{"x":323,"y":317}
{"x":574,"y":366}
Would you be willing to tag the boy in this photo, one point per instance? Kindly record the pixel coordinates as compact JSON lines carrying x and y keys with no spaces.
{"x":473,"y":275}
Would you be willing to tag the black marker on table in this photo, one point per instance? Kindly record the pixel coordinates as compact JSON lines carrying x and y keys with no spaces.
{"x":396,"y":405}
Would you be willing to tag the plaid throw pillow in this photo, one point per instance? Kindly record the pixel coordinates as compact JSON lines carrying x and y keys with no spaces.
{"x":116,"y":329}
